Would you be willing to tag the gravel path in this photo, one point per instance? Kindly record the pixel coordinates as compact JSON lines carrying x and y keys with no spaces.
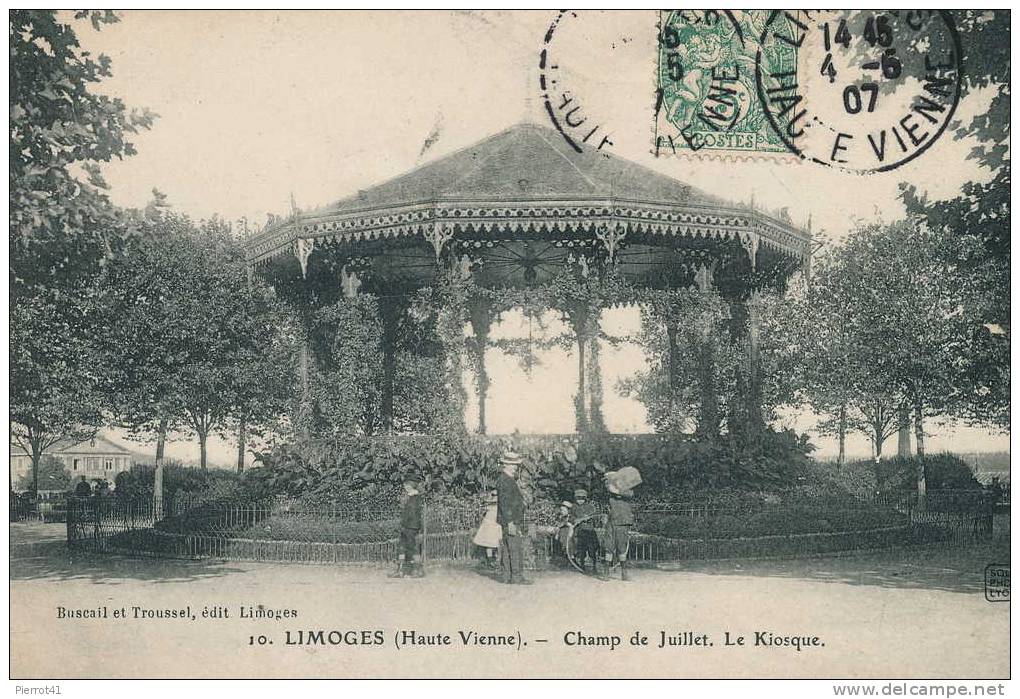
{"x":899,"y":614}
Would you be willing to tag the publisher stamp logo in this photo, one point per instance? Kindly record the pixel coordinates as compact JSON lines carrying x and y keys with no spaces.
{"x":997,"y":582}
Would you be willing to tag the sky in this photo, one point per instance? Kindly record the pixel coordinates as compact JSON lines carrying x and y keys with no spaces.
{"x":258,"y":107}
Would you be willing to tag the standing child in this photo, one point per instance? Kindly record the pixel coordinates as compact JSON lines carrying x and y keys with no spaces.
{"x":585,"y":536}
{"x":564,"y":532}
{"x":618,"y":523}
{"x":410,"y":527}
{"x":489,"y":532}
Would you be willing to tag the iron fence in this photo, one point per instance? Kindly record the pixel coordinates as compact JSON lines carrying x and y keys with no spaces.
{"x":278,"y":529}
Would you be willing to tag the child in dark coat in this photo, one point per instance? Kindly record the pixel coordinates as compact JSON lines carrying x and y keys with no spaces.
{"x":585,"y":536}
{"x":410,"y":527}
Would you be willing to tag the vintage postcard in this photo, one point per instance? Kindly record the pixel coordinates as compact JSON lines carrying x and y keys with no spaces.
{"x":596,"y":344}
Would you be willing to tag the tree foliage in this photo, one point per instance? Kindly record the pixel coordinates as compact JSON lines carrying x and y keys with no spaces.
{"x":63,"y":229}
{"x":52,"y":475}
{"x":882,"y":326}
{"x":61,"y":222}
{"x":974,"y":227}
{"x":200,"y":346}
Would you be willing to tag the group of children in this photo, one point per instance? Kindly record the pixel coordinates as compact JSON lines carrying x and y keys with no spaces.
{"x":579,"y":531}
{"x":582,"y":523}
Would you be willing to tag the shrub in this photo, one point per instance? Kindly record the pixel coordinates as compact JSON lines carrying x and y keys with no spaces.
{"x":793,"y":516}
{"x":943,"y":471}
{"x":672,"y":465}
{"x":139,"y":482}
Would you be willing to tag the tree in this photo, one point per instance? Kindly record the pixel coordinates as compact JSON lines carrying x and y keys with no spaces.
{"x":974,"y":227}
{"x":239,"y":366}
{"x":63,"y":229}
{"x":57,"y":372}
{"x":913,"y":335}
{"x":200,"y":345}
{"x":881,"y":328}
{"x":683,"y":333}
{"x":51,"y":475}
{"x":823,"y":325}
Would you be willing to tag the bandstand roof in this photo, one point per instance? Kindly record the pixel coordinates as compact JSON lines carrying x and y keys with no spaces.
{"x":526,"y":161}
{"x":523,"y":187}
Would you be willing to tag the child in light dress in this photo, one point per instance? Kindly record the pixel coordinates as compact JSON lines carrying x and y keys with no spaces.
{"x":489,"y":533}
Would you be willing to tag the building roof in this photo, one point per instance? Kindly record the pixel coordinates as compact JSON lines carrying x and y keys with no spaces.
{"x":525,"y":160}
{"x":99,"y":446}
{"x":524,"y":184}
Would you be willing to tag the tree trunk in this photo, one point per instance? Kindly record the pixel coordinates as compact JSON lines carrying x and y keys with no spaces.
{"x":879,"y":423}
{"x":841,"y":435}
{"x":903,"y":438}
{"x":242,"y":438}
{"x":922,"y":484}
{"x":157,"y":480}
{"x":203,"y":437}
{"x":919,"y":425}
{"x":36,"y":459}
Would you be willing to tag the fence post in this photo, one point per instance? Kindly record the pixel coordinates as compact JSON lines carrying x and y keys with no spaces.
{"x":424,"y":530}
{"x":332,"y":526}
{"x":70,"y":520}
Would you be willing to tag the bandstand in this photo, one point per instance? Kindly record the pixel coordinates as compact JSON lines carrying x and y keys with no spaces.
{"x":517,"y":211}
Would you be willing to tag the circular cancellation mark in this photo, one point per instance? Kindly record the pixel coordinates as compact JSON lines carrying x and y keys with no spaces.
{"x":870,"y":92}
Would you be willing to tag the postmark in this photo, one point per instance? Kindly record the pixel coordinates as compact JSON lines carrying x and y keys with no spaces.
{"x":568,"y":110}
{"x":997,"y":582}
{"x":882,"y":85}
{"x":706,"y":100}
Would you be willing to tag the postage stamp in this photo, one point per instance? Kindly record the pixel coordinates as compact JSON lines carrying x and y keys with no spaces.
{"x":706,"y":99}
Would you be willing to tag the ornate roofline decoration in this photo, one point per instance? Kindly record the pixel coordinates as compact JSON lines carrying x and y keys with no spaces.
{"x":303,"y":249}
{"x":438,"y":235}
{"x":437,"y":222}
{"x":610,"y":235}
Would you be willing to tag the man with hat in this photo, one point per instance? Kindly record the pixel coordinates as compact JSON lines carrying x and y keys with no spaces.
{"x":587,"y":546}
{"x":510,"y":516}
{"x":410,"y":527}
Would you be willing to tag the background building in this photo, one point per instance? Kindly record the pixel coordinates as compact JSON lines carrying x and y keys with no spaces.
{"x":96,"y":458}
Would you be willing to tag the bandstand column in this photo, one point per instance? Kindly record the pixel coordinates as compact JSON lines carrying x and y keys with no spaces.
{"x":390,"y":310}
{"x":303,"y":248}
{"x":579,"y":322}
{"x":756,"y":422}
{"x":454,"y":282}
{"x":704,"y":351}
{"x":480,"y":316}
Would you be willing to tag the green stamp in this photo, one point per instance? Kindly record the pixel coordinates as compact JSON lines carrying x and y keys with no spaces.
{"x":707,"y":99}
